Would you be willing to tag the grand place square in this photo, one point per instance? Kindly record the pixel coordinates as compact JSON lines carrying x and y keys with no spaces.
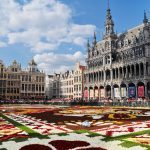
{"x":97,"y":98}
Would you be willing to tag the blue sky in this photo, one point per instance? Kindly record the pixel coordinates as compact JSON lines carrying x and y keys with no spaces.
{"x":55,"y":32}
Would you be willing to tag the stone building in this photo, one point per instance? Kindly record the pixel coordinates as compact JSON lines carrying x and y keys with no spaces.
{"x":16,"y":83}
{"x":13,"y":81}
{"x":119,"y":65}
{"x":66,"y":85}
{"x":78,"y":81}
{"x":3,"y":79}
{"x":53,"y":86}
{"x":32,"y":82}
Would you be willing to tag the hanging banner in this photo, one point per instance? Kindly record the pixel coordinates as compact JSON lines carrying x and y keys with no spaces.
{"x":116,"y":92}
{"x":86,"y":93}
{"x":132,"y":91}
{"x":102,"y":93}
{"x":91,"y":93}
{"x":140,"y":91}
{"x":123,"y":92}
{"x":96,"y":93}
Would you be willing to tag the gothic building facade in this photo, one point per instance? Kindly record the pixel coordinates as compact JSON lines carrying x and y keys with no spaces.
{"x":119,"y":65}
{"x":16,"y":83}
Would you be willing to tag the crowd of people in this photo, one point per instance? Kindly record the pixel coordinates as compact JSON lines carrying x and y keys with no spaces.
{"x":93,"y":102}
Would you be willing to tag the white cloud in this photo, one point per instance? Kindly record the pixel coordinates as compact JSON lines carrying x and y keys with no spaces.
{"x":51,"y":62}
{"x":3,"y":44}
{"x":41,"y":24}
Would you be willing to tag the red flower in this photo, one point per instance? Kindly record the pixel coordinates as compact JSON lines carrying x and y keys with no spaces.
{"x":130,"y":129}
{"x":109,"y":133}
{"x":35,"y":147}
{"x":66,"y":145}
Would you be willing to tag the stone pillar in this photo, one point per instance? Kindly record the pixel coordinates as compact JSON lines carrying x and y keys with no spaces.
{"x":104,"y":91}
{"x":127,"y":73}
{"x":112,"y":92}
{"x":119,"y":73}
{"x":104,"y":61}
{"x":122,"y":73}
{"x":136,"y":89}
{"x":127,"y":86}
{"x":146,"y":95}
{"x":104,"y":75}
{"x":111,"y":75}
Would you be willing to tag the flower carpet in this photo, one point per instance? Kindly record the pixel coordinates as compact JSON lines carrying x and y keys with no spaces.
{"x":9,"y":131}
{"x":58,"y":128}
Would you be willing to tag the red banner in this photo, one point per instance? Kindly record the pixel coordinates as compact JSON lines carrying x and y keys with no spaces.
{"x":140,"y":91}
{"x":86,"y":93}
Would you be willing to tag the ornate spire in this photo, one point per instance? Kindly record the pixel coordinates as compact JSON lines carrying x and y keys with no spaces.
{"x":109,"y":24}
{"x":94,"y":39}
{"x":88,"y":44}
{"x":145,"y":20}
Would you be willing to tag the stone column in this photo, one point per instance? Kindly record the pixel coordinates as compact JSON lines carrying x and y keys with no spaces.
{"x":104,"y":75}
{"x":111,"y":74}
{"x":136,"y":89}
{"x":104,"y":91}
{"x":127,"y":95}
{"x":119,"y":73}
{"x":104,"y":61}
{"x":122,"y":73}
{"x":112,"y":92}
{"x":127,"y":73}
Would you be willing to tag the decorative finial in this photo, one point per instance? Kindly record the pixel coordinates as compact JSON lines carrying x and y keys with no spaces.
{"x":88,"y":43}
{"x":145,"y":20}
{"x":94,"y":38}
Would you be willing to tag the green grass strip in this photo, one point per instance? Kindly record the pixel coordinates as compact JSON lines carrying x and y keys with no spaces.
{"x":90,"y":134}
{"x":129,"y":144}
{"x":30,"y":132}
{"x":126,"y":136}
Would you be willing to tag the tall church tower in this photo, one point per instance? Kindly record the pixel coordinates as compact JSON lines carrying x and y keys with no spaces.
{"x":109,"y":24}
